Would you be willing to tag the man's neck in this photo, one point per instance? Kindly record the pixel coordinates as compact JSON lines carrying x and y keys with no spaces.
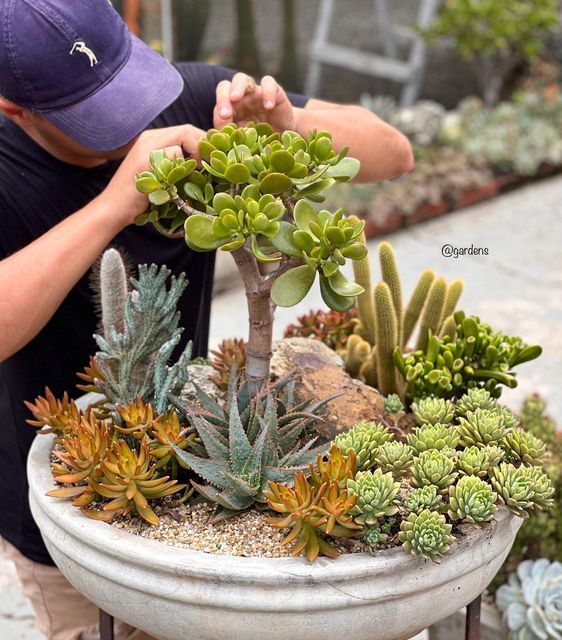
{"x":62,"y":153}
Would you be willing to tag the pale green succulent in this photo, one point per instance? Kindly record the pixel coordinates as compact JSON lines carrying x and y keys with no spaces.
{"x":481,"y":428}
{"x":434,"y":468}
{"x":523,"y":446}
{"x":510,"y":420}
{"x":433,"y":411}
{"x":395,"y":457}
{"x":374,"y":535}
{"x":472,"y":500}
{"x":424,"y":498}
{"x":433,"y":437}
{"x":531,"y":600}
{"x":542,"y":486}
{"x":474,"y":399}
{"x":393,"y":404}
{"x":474,"y":461}
{"x":376,"y":496}
{"x":364,"y":438}
{"x":426,"y":534}
{"x":522,"y":489}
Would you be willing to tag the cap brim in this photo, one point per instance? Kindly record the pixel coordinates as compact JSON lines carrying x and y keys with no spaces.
{"x":117,"y":113}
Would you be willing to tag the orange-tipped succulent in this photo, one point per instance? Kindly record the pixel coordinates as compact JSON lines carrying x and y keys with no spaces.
{"x":230,"y":352}
{"x":61,"y":416}
{"x":91,"y":376}
{"x":167,"y":431}
{"x":333,"y":328}
{"x":137,"y":418}
{"x":312,"y":512}
{"x":129,"y":479}
{"x":336,"y":467}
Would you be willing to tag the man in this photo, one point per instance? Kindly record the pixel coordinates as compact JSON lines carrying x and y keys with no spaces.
{"x":83,"y":104}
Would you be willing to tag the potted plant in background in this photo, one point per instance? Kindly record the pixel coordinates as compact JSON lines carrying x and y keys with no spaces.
{"x":148,"y":451}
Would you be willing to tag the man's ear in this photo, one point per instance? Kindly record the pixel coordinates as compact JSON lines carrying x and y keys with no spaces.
{"x":13,"y":112}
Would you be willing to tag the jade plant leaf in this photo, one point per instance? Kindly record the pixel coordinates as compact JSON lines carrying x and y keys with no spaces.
{"x":333,"y":299}
{"x":304,"y":213}
{"x":199,"y":233}
{"x":158,"y":197}
{"x":344,"y":287}
{"x":292,"y":286}
{"x":275,"y":183}
{"x":283,"y":241}
{"x":347,"y":168}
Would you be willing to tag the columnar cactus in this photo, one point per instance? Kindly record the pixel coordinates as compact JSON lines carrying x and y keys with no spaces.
{"x":473,"y":500}
{"x":376,"y":496}
{"x":426,"y":534}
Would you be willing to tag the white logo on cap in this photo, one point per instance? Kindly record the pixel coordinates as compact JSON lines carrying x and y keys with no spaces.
{"x":81,"y":47}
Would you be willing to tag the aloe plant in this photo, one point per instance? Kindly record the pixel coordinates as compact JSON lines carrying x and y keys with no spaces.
{"x":253,"y":198}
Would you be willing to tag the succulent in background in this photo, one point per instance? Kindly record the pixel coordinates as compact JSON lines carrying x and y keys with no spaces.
{"x":433,"y":437}
{"x":475,"y":398}
{"x":312,"y":512}
{"x":481,"y":428}
{"x":433,"y":411}
{"x":376,"y":496}
{"x":522,"y":446}
{"x":510,"y":420}
{"x":472,"y":500}
{"x":364,"y":439}
{"x":59,"y":416}
{"x":477,"y":461}
{"x":231,"y":352}
{"x":535,"y":420}
{"x":333,"y":328}
{"x":394,"y":457}
{"x":522,"y":489}
{"x":393,"y":403}
{"x":434,"y":468}
{"x":426,"y":534}
{"x":426,"y":497}
{"x":531,"y":601}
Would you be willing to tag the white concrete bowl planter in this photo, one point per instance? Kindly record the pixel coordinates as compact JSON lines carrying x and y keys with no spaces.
{"x":179,"y":594}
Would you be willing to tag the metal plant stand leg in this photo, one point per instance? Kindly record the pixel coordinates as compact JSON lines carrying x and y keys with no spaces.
{"x":106,"y":626}
{"x":472,"y":630}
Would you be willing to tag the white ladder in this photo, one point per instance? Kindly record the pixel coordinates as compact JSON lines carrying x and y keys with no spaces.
{"x":406,"y":72}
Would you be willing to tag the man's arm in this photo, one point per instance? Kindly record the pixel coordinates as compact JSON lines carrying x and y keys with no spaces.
{"x":35,"y":280}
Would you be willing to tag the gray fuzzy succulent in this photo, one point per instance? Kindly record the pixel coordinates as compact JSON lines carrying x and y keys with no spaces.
{"x":531,"y":601}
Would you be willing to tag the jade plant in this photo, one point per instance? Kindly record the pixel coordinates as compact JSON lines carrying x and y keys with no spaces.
{"x":253,"y":197}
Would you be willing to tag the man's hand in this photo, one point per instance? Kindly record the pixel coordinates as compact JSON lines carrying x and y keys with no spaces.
{"x":121,"y":196}
{"x":242,"y":101}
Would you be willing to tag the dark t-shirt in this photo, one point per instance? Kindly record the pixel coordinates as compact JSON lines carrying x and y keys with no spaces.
{"x":36,"y":193}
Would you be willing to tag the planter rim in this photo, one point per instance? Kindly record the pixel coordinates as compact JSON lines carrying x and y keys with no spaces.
{"x":164,"y":558}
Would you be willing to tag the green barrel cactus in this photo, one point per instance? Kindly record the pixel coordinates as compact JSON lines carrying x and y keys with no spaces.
{"x":426,"y":534}
{"x":472,"y":500}
{"x":424,"y":498}
{"x":481,"y":427}
{"x":376,"y":496}
{"x":394,"y":457}
{"x":433,"y":437}
{"x":522,"y":446}
{"x":433,"y":411}
{"x":364,"y":438}
{"x":531,"y":600}
{"x":474,"y":399}
{"x":434,"y":468}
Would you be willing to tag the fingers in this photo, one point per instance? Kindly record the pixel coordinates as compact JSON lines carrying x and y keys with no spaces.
{"x":174,"y":151}
{"x":223,"y":108}
{"x":270,"y":90}
{"x":228,"y":93}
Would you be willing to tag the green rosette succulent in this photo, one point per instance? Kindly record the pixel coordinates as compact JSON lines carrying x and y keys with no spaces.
{"x":433,"y":411}
{"x":378,"y":534}
{"x":542,"y":487}
{"x":376,"y":496}
{"x":481,"y":427}
{"x":531,"y":600}
{"x":522,"y":446}
{"x":433,"y":437}
{"x":424,"y":498}
{"x":474,"y":461}
{"x":510,"y":420}
{"x":393,"y":403}
{"x":522,"y":489}
{"x":394,"y":457}
{"x":426,"y":534}
{"x":434,"y":468}
{"x":472,"y":500}
{"x":364,"y":438}
{"x":474,"y":399}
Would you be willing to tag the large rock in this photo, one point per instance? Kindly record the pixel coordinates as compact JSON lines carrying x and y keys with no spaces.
{"x":319,"y":373}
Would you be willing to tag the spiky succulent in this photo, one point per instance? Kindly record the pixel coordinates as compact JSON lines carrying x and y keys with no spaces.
{"x":59,"y":415}
{"x":434,"y":468}
{"x":376,"y":496}
{"x":522,"y":446}
{"x":364,"y":438}
{"x":472,"y":500}
{"x":424,"y":498}
{"x":167,"y":432}
{"x":474,"y":399}
{"x":426,"y":534}
{"x":393,"y":403}
{"x":531,"y":601}
{"x":333,"y":467}
{"x":474,"y":461}
{"x":312,"y":512}
{"x":433,"y":411}
{"x":431,"y":437}
{"x":136,"y":418}
{"x":333,"y":328}
{"x":394,"y":457}
{"x":522,"y":489}
{"x":481,"y":427}
{"x":129,"y":479}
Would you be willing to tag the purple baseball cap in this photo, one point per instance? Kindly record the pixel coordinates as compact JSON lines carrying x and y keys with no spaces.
{"x":76,"y":63}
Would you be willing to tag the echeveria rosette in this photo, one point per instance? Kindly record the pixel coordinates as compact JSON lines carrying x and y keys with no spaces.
{"x":436,"y":468}
{"x":377,"y":496}
{"x":481,"y":428}
{"x":474,"y":399}
{"x":476,"y":461}
{"x":522,"y":489}
{"x":523,"y":447}
{"x":426,"y":534}
{"x":472,"y":500}
{"x":394,"y":457}
{"x":531,"y":600}
{"x":433,"y":411}
{"x":393,"y":403}
{"x":426,"y":497}
{"x":431,"y":437}
{"x":364,"y":439}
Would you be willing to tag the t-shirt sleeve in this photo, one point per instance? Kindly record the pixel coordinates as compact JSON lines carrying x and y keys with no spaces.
{"x":197,"y":101}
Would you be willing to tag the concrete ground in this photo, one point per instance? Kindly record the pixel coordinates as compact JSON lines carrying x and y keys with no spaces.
{"x":517,"y":288}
